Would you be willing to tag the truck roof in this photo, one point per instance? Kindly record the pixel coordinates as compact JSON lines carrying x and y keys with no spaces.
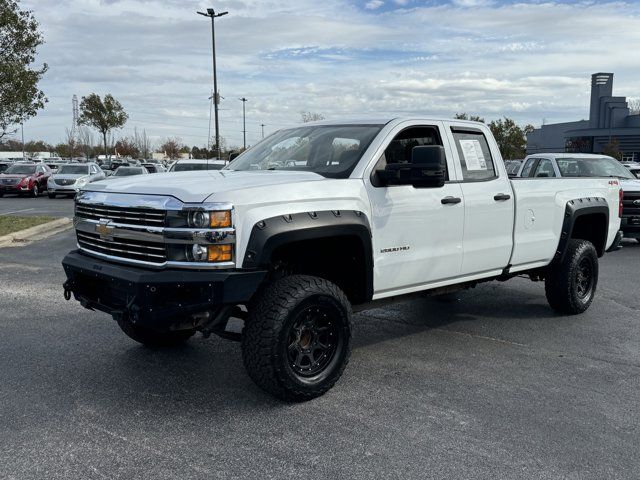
{"x":386,"y":120}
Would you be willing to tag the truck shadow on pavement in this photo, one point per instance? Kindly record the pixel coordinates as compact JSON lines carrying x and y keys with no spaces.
{"x":208,"y":373}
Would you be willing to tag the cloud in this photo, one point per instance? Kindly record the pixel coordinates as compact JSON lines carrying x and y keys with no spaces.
{"x":373,"y":4}
{"x":525,"y":60}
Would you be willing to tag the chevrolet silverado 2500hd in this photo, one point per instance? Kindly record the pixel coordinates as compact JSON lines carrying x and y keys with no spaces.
{"x":315,"y":220}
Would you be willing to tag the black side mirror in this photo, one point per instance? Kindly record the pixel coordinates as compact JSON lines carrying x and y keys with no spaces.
{"x":427,"y":169}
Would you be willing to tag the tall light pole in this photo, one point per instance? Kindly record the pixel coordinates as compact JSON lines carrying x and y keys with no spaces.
{"x":22,"y":129}
{"x":244,"y":122}
{"x":262,"y":125}
{"x":216,"y":96}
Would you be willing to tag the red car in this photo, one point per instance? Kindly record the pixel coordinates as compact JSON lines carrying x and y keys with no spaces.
{"x":25,"y":179}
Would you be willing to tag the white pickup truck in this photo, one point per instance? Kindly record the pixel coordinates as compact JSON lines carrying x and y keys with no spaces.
{"x":316,"y":220}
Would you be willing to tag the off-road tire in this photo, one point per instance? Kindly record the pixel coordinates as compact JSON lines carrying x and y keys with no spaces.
{"x":51,"y":195}
{"x":275,"y":317}
{"x":151,"y":338}
{"x":564,"y":283}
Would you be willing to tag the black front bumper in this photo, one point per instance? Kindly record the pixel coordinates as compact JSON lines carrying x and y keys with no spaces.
{"x":158,"y":299}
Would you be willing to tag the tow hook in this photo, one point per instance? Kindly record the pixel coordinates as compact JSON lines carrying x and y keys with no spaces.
{"x":67,"y":291}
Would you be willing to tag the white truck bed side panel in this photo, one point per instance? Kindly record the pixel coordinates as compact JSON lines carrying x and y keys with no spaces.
{"x":540,"y":209}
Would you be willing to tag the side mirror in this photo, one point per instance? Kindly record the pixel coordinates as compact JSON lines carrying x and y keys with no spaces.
{"x":427,"y":169}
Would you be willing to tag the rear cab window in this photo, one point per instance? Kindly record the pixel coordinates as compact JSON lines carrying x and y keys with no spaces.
{"x":476,"y":160}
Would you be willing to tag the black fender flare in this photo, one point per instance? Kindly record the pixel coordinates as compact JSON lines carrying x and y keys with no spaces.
{"x":271,"y":233}
{"x":575,"y":209}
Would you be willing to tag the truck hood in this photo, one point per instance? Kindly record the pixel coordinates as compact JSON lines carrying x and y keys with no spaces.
{"x":197,"y":186}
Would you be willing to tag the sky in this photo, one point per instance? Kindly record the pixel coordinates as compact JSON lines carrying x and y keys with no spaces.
{"x":530,"y":61}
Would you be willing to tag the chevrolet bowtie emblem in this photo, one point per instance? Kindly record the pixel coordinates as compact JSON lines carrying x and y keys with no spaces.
{"x":636,"y":202}
{"x":104,"y":229}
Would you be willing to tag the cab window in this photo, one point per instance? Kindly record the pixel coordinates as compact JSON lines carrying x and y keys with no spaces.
{"x":544,"y":169}
{"x":400,"y":148}
{"x":475,"y":157}
{"x":528,"y":166}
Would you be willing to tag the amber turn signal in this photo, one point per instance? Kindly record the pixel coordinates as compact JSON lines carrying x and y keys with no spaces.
{"x":220,"y":253}
{"x":220,"y":219}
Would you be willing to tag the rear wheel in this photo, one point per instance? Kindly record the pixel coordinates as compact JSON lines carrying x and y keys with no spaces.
{"x":571,"y":283}
{"x":297,"y":339}
{"x":151,"y":338}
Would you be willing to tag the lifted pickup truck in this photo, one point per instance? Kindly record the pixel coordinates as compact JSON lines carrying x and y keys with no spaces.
{"x":316,"y":219}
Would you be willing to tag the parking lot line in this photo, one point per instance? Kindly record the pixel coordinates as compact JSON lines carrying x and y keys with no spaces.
{"x":17,"y":211}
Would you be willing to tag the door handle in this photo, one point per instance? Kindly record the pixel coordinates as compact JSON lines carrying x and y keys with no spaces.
{"x":450,"y":200}
{"x":501,"y":197}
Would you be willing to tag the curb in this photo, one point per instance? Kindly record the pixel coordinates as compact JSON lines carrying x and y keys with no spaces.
{"x":39,"y":232}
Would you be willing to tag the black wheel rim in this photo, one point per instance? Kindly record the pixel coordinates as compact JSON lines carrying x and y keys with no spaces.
{"x":313,"y":340}
{"x":584,"y":278}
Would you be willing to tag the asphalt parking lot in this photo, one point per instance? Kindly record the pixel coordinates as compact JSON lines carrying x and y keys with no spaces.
{"x":26,"y":206}
{"x":488,"y":383}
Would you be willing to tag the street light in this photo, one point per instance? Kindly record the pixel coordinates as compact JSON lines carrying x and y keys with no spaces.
{"x":216,"y":96}
{"x":244,"y":122}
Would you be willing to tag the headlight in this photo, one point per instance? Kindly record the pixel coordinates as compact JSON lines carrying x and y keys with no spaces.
{"x":201,"y":219}
{"x":209,"y":253}
{"x":81,"y":182}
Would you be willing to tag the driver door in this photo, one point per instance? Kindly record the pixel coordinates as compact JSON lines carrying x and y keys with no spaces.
{"x":417,"y":232}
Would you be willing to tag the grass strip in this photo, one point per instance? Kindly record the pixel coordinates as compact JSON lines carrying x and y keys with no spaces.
{"x":12,"y":224}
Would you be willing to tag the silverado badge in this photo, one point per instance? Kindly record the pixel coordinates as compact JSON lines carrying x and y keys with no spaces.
{"x":104,"y":229}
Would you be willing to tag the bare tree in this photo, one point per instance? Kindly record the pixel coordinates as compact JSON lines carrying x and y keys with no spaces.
{"x":72,"y":143}
{"x":87,"y":142}
{"x":634,"y":106}
{"x":311,"y":117}
{"x":142,"y":143}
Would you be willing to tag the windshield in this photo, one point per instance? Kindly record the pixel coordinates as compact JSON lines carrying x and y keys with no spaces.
{"x":592,"y":167}
{"x":21,"y":170}
{"x":127,"y":171}
{"x":190,"y":167}
{"x":329,"y":150}
{"x":73,"y":170}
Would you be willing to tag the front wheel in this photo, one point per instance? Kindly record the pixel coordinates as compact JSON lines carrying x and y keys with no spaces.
{"x":297,"y":339}
{"x":151,"y":338}
{"x":570,"y":284}
{"x":35,"y":193}
{"x":51,"y":195}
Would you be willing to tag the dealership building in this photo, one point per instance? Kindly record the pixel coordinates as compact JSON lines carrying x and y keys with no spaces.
{"x":609,"y":121}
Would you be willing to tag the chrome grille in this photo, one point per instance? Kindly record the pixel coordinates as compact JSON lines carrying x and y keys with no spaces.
{"x":131,"y":216}
{"x":64,"y":181}
{"x":151,"y":252}
{"x":631,"y":204}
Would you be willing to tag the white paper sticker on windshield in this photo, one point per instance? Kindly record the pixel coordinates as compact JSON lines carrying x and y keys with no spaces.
{"x":473,"y":156}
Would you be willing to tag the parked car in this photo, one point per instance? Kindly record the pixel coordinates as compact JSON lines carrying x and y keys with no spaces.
{"x":513,"y":167}
{"x":70,"y":178}
{"x":24,"y":179}
{"x":192,"y":165}
{"x":317,"y":218}
{"x":128,"y":172}
{"x":576,"y":165}
{"x":4,"y":166}
{"x":154,"y":167}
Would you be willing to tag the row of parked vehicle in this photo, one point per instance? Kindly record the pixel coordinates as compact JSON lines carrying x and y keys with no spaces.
{"x":35,"y":178}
